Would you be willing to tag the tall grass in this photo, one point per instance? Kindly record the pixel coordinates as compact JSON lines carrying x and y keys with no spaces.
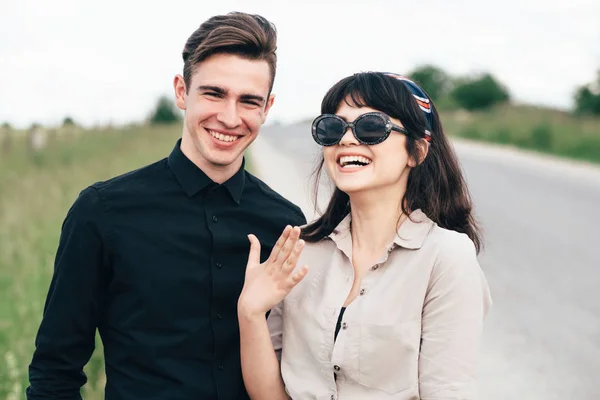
{"x":36,"y":191}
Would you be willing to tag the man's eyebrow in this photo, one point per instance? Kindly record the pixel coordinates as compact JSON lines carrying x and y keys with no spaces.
{"x":221,"y":91}
{"x":216,"y":89}
{"x":254,"y":97}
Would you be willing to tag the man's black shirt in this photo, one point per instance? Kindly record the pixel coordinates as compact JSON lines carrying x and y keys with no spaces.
{"x":155,"y":259}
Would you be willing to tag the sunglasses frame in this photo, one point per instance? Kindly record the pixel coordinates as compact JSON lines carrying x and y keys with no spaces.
{"x":388,"y":124}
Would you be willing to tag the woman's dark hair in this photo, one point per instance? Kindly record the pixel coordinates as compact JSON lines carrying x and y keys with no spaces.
{"x":436,"y":185}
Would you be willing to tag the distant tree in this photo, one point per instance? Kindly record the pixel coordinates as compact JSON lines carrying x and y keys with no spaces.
{"x":479,"y":92}
{"x":6,"y":126}
{"x":165,"y":112}
{"x":68,"y":121}
{"x":433,"y":80}
{"x":587,"y":98}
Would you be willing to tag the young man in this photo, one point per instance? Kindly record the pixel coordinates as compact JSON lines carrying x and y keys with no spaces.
{"x":155,"y":259}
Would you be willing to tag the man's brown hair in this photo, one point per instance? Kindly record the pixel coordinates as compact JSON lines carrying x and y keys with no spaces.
{"x":250,"y":36}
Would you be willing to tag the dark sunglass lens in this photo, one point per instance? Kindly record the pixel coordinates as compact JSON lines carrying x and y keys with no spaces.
{"x":329,"y":130}
{"x":371,"y":128}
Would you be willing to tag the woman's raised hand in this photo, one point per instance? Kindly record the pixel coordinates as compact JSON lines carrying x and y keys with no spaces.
{"x":267,"y":284}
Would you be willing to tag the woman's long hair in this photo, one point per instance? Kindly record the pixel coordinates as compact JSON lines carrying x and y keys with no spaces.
{"x":436,"y":185}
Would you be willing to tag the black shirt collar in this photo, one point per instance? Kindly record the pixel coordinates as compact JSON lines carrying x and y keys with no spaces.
{"x":192,"y":179}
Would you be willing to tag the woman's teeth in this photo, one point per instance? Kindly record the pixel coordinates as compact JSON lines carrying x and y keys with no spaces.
{"x":224,"y":138}
{"x":354,"y":161}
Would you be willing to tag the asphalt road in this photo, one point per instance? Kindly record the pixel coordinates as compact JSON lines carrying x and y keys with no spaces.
{"x":542,"y":260}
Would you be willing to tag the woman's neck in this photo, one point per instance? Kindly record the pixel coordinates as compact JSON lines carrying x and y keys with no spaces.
{"x":375,"y":221}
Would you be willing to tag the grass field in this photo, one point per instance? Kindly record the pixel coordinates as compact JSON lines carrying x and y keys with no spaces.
{"x":526,"y":127}
{"x":35,"y":194}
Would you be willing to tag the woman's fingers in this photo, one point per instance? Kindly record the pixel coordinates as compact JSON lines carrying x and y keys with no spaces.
{"x":297,"y":276}
{"x":290,"y":263}
{"x":254,"y":255}
{"x":278,"y":245}
{"x":287,"y":248}
{"x":281,"y":263}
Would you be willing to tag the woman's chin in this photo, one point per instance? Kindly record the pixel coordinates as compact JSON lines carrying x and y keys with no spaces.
{"x":351,"y":187}
{"x":351,"y":182}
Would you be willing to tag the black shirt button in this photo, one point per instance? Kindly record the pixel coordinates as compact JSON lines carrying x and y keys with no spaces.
{"x":215,"y":219}
{"x":220,"y":367}
{"x":336,"y":367}
{"x":219,"y":316}
{"x":219,"y":265}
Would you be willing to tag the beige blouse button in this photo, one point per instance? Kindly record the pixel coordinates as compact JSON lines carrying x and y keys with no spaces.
{"x":344,"y":326}
{"x":336,"y":367}
{"x":374,"y":267}
{"x":362,"y":292}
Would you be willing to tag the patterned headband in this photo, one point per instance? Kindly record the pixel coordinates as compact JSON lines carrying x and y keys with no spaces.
{"x":421,"y":98}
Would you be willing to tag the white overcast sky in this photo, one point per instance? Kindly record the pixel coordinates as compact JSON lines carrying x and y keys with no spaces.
{"x":108,"y":61}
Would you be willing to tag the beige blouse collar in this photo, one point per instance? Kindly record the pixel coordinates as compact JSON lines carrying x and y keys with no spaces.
{"x":410,"y":235}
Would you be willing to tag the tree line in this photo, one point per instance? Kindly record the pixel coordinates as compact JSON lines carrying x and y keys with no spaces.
{"x":483,"y":91}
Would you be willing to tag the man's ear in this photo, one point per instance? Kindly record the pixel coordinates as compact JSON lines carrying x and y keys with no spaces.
{"x":180,"y":91}
{"x":268,"y":106}
{"x":422,"y":151}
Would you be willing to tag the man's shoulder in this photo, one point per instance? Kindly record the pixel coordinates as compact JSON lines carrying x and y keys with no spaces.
{"x":133,"y":180}
{"x":271,"y":198}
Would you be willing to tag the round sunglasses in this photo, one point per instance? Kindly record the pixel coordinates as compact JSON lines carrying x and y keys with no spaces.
{"x":369,"y":128}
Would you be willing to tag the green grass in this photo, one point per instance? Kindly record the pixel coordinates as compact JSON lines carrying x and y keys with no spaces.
{"x":526,"y":127}
{"x":36,"y":191}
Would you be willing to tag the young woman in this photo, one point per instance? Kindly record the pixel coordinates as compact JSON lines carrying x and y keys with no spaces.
{"x":388,"y":298}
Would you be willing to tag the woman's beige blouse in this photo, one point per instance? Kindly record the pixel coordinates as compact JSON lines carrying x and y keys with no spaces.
{"x":412,"y":333}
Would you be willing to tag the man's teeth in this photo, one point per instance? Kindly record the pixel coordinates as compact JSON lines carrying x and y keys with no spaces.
{"x":354,"y":161}
{"x":225,"y":138}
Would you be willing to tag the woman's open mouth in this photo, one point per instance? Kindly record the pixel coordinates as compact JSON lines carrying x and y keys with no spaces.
{"x":352,"y":163}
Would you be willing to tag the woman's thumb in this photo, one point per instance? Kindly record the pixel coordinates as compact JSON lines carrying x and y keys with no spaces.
{"x":254,"y":255}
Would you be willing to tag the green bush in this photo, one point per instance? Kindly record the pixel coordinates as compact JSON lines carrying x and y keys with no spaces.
{"x":433,"y":80}
{"x":587,"y":98}
{"x":446,"y":103}
{"x":165,"y":112}
{"x":541,"y":137}
{"x":68,"y":121}
{"x":479,"y":93}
